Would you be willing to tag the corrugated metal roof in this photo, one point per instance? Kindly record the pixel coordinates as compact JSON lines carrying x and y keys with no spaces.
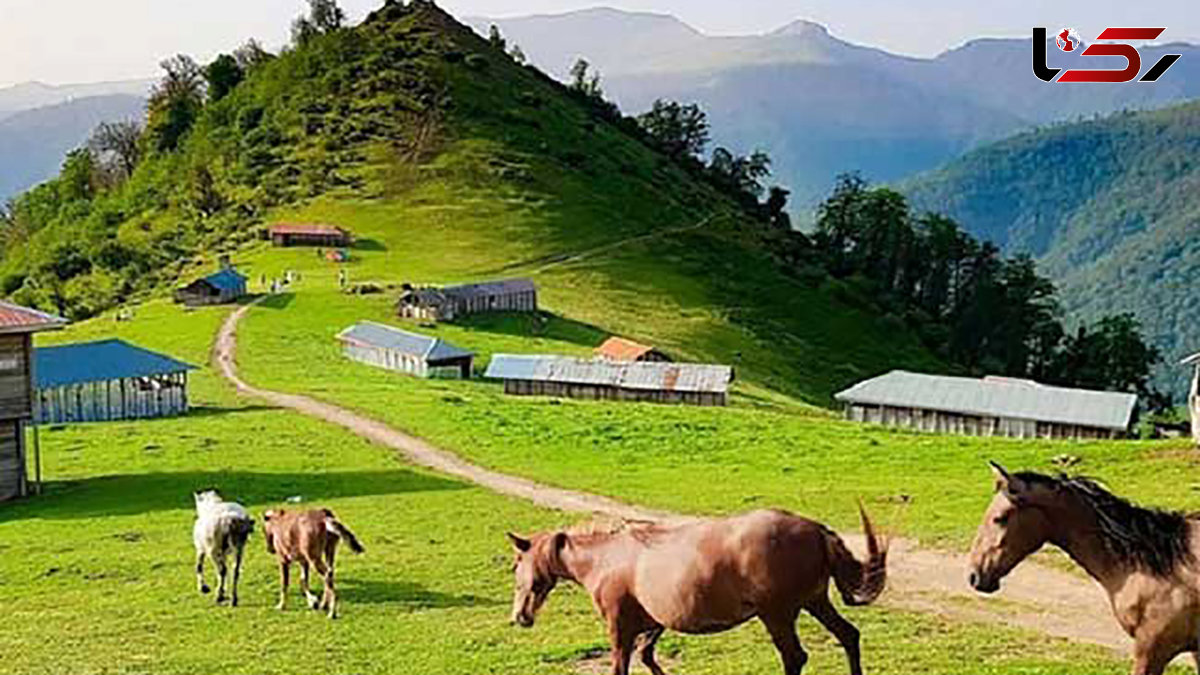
{"x":307,"y":228}
{"x":99,"y":362}
{"x":226,"y":280}
{"x":487,"y":288}
{"x":690,"y":377}
{"x":995,"y":397}
{"x":620,"y":349}
{"x":1194,"y":358}
{"x":378,"y":335}
{"x":18,"y":319}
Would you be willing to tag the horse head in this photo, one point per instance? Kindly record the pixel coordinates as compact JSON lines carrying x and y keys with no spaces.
{"x":536,"y":571}
{"x":1014,"y":527}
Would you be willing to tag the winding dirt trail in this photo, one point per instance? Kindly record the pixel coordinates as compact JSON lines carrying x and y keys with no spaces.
{"x":1035,"y":597}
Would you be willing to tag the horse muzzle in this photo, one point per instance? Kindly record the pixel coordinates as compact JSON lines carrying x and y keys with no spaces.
{"x":523,"y":620}
{"x":983,"y":583}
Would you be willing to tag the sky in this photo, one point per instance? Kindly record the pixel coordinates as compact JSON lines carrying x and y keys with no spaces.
{"x":73,"y":41}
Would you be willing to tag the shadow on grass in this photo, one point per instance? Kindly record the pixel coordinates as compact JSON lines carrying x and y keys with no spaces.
{"x":278,"y":301}
{"x":544,"y":325}
{"x":405,"y":593}
{"x":369,"y":245}
{"x":214,"y":411}
{"x":144,"y":493}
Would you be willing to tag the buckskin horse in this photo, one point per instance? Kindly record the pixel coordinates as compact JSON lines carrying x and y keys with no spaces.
{"x":309,"y":538}
{"x":704,"y":577}
{"x":1144,"y":558}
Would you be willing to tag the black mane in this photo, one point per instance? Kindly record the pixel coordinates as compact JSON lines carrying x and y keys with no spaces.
{"x":1152,"y":539}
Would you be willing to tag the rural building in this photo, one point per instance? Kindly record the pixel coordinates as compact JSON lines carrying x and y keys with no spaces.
{"x":404,"y":352}
{"x":992,"y":406}
{"x":221,"y":288}
{"x":695,"y":384}
{"x":620,"y":349}
{"x":108,"y":380}
{"x":1194,"y":395}
{"x":452,"y":302}
{"x":17,"y":367}
{"x":309,"y":234}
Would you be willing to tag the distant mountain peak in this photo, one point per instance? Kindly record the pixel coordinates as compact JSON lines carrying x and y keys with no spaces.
{"x":803,"y":28}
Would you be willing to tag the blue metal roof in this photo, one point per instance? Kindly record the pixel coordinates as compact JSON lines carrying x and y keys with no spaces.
{"x":99,"y":362}
{"x":385,"y":337}
{"x":226,"y":280}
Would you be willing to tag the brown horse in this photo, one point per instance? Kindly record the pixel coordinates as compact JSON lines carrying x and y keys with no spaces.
{"x":704,"y":577}
{"x":1145,"y":559}
{"x":311,"y":539}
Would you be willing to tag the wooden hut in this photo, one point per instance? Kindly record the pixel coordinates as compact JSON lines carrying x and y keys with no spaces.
{"x":991,"y":406}
{"x":17,"y":400}
{"x":108,"y":380}
{"x":221,"y":288}
{"x":1194,"y":395}
{"x":452,"y":302}
{"x":309,"y":234}
{"x":404,"y":352}
{"x":620,"y":349}
{"x":562,"y":376}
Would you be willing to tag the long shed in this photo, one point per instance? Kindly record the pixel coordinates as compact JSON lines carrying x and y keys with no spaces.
{"x":991,"y":406}
{"x":405,"y":352}
{"x":309,"y":234}
{"x":108,"y":380}
{"x":17,"y":368}
{"x":564,"y":376}
{"x":1194,"y":395}
{"x":451,"y":302}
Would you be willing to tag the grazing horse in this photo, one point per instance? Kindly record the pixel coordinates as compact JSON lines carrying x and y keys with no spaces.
{"x":703,"y":577}
{"x":311,"y":539}
{"x":221,"y":528}
{"x":1145,"y":559}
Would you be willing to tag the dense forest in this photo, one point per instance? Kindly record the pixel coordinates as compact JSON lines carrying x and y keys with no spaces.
{"x":1107,"y":207}
{"x":224,"y":143}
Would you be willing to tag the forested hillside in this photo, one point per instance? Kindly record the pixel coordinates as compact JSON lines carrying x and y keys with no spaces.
{"x":1109,"y":208}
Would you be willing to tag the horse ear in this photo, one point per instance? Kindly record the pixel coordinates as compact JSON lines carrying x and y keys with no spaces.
{"x":1007,"y":483}
{"x":522,"y":545}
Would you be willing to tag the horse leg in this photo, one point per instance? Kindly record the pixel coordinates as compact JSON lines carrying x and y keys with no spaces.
{"x":200,"y":573}
{"x":1150,"y":659}
{"x":283,"y":584}
{"x":782,"y":629}
{"x":651,"y":639}
{"x":845,"y":632}
{"x":623,"y":638}
{"x":327,"y":595}
{"x":309,"y":596}
{"x":237,"y":574}
{"x":222,"y":575}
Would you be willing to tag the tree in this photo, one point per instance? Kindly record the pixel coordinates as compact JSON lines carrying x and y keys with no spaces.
{"x":740,"y":175}
{"x":584,"y":81}
{"x":175,"y":102}
{"x":680,"y":130}
{"x":517,"y":54}
{"x":496,"y":39}
{"x":116,"y":146}
{"x":324,"y":17}
{"x":251,"y":55}
{"x":77,"y":179}
{"x":222,"y":75}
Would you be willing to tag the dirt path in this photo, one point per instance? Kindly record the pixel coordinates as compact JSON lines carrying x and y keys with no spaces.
{"x":1034,"y":597}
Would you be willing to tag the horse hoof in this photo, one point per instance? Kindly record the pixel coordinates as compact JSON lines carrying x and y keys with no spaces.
{"x":233,"y":602}
{"x":204,"y":589}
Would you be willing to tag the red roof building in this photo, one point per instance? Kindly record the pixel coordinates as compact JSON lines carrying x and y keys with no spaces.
{"x":309,"y":234}
{"x":620,"y":349}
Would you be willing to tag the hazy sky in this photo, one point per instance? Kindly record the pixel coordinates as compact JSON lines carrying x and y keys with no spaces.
{"x":66,"y":41}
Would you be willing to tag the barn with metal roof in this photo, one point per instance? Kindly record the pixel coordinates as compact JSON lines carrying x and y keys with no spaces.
{"x":1194,"y":394}
{"x":108,"y":380}
{"x":309,"y":234}
{"x":17,"y":327}
{"x":452,"y":302}
{"x":991,"y":406}
{"x":223,"y":287}
{"x":620,"y":349}
{"x":405,"y":352}
{"x":691,"y":383}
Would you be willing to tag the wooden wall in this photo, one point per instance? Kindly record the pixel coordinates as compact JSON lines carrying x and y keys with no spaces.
{"x":141,"y":398}
{"x":606,"y":393}
{"x":407,"y":363}
{"x":16,"y":398}
{"x":937,"y":421}
{"x":12,"y":460}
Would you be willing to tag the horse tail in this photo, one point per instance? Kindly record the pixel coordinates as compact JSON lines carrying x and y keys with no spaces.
{"x":239,"y":532}
{"x":341,"y":531}
{"x":860,"y":583}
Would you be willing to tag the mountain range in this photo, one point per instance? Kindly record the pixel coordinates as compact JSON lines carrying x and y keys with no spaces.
{"x":822,"y":106}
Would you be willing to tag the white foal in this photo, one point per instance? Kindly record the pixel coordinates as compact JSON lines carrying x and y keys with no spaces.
{"x":222,"y":528}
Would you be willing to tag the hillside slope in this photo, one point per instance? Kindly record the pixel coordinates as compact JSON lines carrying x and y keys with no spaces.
{"x":451,"y":162}
{"x":1109,"y":208}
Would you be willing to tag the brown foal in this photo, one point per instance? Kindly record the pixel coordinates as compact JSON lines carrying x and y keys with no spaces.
{"x":1145,"y":559}
{"x":311,"y":539}
{"x":704,"y":577}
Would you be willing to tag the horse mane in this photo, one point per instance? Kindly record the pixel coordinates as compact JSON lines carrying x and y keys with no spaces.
{"x":1153,"y":539}
{"x":641,"y":530}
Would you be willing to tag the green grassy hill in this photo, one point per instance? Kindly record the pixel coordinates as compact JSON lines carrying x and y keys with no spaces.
{"x":1107,"y":206}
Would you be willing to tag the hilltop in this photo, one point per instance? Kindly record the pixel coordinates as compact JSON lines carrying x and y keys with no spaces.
{"x":1107,"y":206}
{"x":453,"y":163}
